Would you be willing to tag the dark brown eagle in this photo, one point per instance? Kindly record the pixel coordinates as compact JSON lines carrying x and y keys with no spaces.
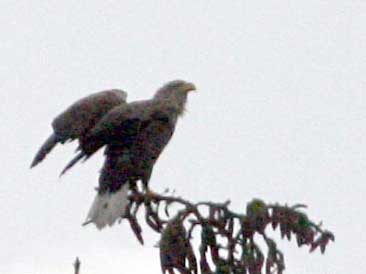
{"x":134,"y":134}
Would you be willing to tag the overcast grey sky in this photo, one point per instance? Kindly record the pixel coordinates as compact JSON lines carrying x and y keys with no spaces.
{"x":280,"y":115}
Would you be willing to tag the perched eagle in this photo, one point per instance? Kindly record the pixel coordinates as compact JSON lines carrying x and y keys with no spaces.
{"x":134,"y":135}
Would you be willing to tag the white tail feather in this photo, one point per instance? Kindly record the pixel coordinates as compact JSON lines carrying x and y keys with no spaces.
{"x":108,"y":207}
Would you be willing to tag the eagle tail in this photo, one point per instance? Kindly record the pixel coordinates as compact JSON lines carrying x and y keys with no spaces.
{"x":108,"y":207}
{"x":46,"y":148}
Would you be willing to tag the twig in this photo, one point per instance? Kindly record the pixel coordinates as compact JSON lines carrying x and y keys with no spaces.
{"x":77,"y":264}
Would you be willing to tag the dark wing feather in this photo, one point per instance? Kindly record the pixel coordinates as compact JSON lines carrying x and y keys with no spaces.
{"x":79,"y":118}
{"x":119,"y":126}
{"x":151,"y":141}
{"x":46,"y":148}
{"x":115,"y":172}
{"x":132,"y":160}
{"x":84,"y":114}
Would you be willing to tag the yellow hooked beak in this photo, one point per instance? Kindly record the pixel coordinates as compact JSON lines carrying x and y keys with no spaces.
{"x":189,"y":87}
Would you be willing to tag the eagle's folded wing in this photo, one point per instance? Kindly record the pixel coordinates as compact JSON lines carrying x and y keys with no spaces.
{"x":79,"y":118}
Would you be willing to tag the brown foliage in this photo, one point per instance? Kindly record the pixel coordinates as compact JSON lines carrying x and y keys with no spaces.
{"x":227,"y":241}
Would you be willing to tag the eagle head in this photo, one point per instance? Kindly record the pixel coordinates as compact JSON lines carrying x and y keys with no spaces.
{"x":175,"y":93}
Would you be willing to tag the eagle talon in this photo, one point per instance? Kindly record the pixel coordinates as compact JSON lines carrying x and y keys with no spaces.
{"x":149,"y":193}
{"x":149,"y":196}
